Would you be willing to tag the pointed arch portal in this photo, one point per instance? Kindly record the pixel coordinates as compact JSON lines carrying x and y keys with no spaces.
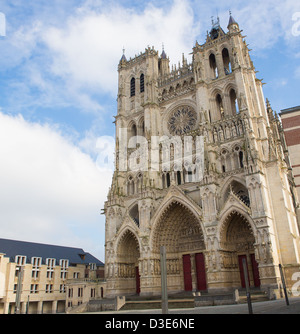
{"x":179,"y":230}
{"x":128,"y":253}
{"x":237,"y":242}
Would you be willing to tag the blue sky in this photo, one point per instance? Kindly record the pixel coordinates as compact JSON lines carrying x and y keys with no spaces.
{"x":58,"y":89}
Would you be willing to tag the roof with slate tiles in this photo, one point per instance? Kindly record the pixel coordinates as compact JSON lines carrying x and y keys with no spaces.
{"x":11,"y":248}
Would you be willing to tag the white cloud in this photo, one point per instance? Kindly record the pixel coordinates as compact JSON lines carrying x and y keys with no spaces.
{"x":79,"y":53}
{"x":263,"y":22}
{"x":50,"y":191}
{"x":88,"y":50}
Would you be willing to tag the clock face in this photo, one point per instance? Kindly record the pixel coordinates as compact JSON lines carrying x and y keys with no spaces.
{"x":182,"y":120}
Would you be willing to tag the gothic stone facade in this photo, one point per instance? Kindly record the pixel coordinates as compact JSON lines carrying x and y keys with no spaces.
{"x":242,"y":207}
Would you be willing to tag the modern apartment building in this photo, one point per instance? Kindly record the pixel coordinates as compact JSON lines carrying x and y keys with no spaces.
{"x":41,"y":278}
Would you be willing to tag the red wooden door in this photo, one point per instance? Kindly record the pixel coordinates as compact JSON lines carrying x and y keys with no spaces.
{"x":255,"y":270}
{"x":187,"y":272}
{"x":200,"y":269}
{"x":137,"y":280}
{"x":241,"y":257}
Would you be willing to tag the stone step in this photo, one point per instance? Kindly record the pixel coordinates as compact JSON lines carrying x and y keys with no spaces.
{"x":156,"y":304}
{"x":256,"y":296}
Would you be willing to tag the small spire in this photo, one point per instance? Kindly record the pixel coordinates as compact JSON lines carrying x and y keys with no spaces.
{"x":123,"y":56}
{"x":231,"y":20}
{"x":163,"y":54}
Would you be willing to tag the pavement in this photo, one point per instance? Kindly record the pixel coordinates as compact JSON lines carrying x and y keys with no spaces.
{"x":265,"y":307}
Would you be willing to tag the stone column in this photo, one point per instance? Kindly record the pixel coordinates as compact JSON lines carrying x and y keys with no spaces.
{"x":54,"y":306}
{"x":40,"y":307}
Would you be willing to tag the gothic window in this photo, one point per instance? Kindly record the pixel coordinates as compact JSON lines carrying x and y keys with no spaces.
{"x":139,"y":182}
{"x":132,"y":87}
{"x":241,"y":155}
{"x":233,"y":102}
{"x":143,"y":129}
{"x":130,"y":186}
{"x":178,"y":175}
{"x":213,"y":66}
{"x":142,"y":83}
{"x":226,"y":61}
{"x":132,"y":131}
{"x":182,"y":120}
{"x":134,"y":214}
{"x":240,"y":191}
{"x":188,"y":175}
{"x":225,"y":161}
{"x":168,"y":180}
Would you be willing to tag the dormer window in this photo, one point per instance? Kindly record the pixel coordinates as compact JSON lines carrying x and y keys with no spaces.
{"x":82,"y":256}
{"x":20,"y":260}
{"x":36,"y":264}
{"x":50,"y":263}
{"x":64,"y":264}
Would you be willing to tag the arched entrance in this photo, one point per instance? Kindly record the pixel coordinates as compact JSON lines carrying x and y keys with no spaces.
{"x":179,"y":230}
{"x":237,"y":243}
{"x":128,"y":254}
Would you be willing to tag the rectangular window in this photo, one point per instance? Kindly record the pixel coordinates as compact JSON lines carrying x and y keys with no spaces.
{"x":49,"y":288}
{"x":50,"y":263}
{"x":142,"y":83}
{"x":64,"y":264}
{"x":132,"y":87}
{"x":34,"y":288}
{"x":50,"y":274}
{"x":36,"y":264}
{"x":36,"y":261}
{"x":92,"y":266}
{"x":20,"y":260}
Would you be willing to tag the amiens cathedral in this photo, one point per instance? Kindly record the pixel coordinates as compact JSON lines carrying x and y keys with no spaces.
{"x":201,"y":167}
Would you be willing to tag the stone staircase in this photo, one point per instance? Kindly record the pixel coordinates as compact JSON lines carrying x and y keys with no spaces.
{"x":256,"y":296}
{"x":175,"y":301}
{"x":188,"y":300}
{"x":182,"y":300}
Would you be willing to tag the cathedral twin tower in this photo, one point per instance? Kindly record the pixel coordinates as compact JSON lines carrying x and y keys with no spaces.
{"x":202,"y":169}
